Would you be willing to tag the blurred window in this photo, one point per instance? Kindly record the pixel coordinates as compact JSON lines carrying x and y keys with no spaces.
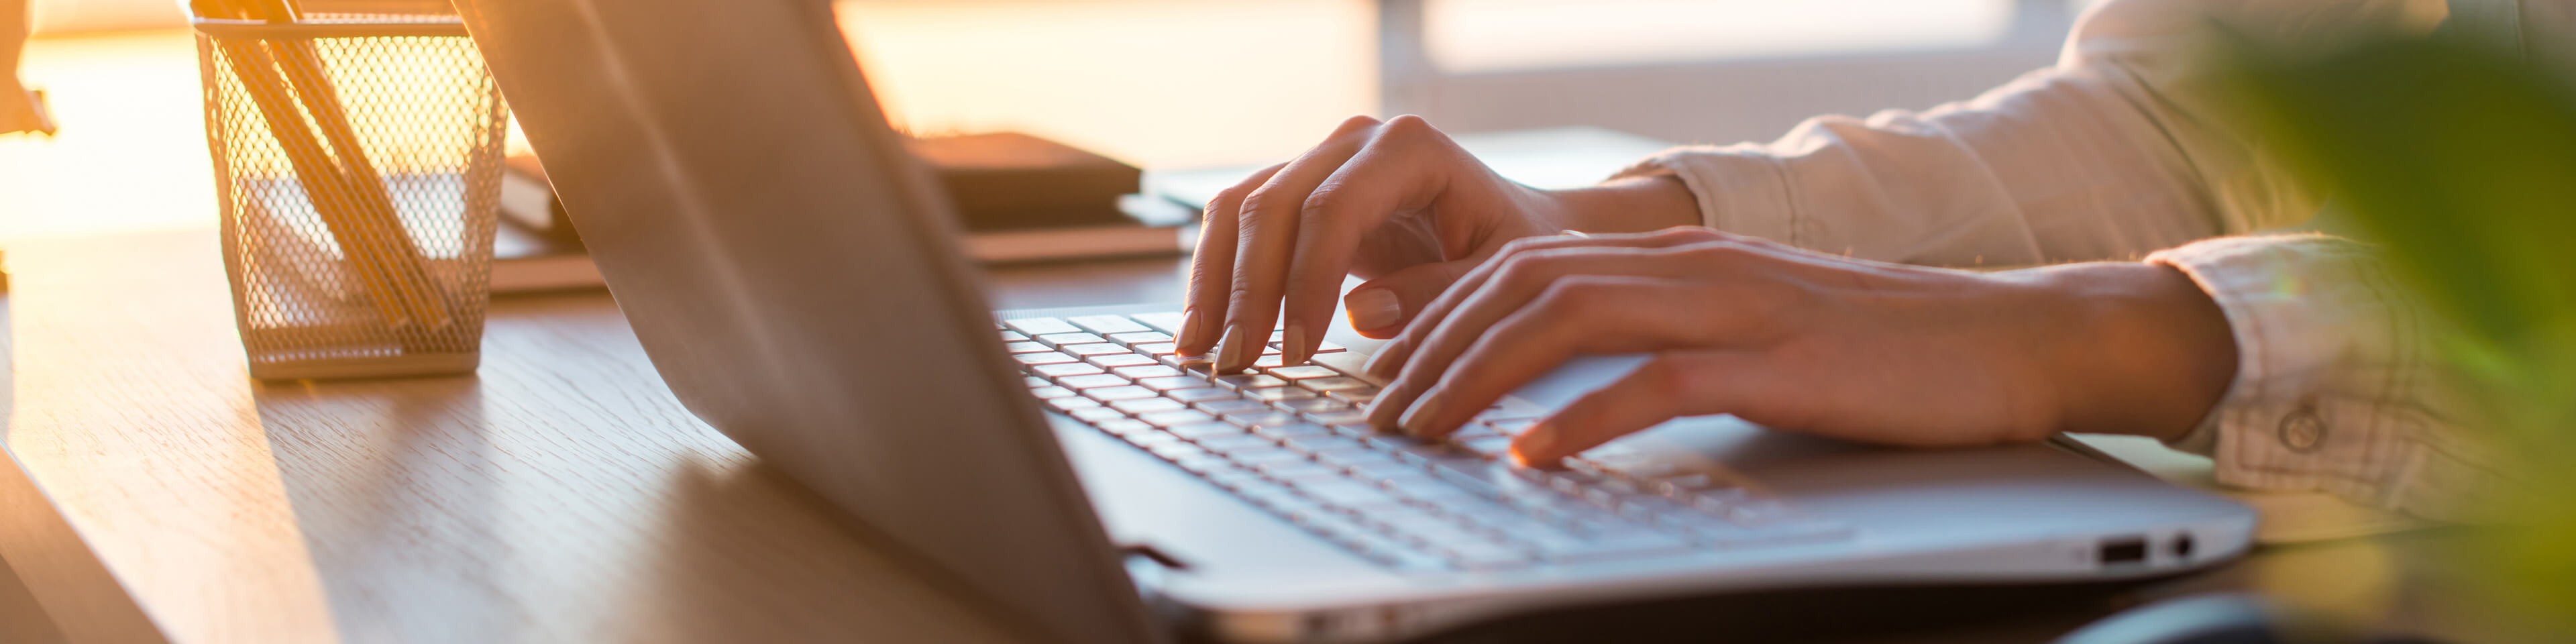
{"x":1492,"y":35}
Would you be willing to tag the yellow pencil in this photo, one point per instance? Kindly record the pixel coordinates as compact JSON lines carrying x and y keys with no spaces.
{"x":345,"y":191}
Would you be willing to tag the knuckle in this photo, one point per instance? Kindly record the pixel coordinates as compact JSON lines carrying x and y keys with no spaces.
{"x":1665,"y":379}
{"x":1714,"y":253}
{"x":1326,"y":199}
{"x":1528,"y":271}
{"x":1577,"y":295}
{"x":1408,"y":126}
{"x":1693,"y":234}
{"x":1354,"y":124}
{"x":1258,"y":209}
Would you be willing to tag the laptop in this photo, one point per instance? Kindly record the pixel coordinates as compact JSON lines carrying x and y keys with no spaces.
{"x":796,"y":280}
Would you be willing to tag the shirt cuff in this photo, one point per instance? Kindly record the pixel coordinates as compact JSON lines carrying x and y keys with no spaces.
{"x":2336,"y":389}
{"x":1740,"y":188}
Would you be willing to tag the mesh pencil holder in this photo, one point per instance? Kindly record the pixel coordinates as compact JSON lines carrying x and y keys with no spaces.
{"x":358,"y":161}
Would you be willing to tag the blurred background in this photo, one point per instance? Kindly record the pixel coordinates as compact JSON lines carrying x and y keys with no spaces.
{"x":1164,"y":84}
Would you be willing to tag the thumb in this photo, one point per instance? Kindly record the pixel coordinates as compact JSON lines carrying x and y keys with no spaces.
{"x":1381,"y":307}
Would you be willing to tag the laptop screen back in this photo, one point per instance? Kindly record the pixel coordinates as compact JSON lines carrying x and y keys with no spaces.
{"x":796,"y":282}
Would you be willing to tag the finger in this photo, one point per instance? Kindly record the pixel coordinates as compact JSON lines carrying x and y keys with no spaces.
{"x":1674,"y":384}
{"x":1265,"y":233}
{"x":1381,"y":307}
{"x":1580,"y":315}
{"x":1523,"y":278}
{"x":1391,"y":358}
{"x":1211,"y":265}
{"x":1393,"y":173}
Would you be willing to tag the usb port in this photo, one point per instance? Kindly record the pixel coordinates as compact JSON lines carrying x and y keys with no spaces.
{"x":2124,"y":551}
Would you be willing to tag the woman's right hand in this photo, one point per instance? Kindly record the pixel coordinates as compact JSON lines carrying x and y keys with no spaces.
{"x":1394,"y":202}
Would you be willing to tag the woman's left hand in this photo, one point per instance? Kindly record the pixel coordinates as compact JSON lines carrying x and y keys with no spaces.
{"x":1801,"y":341}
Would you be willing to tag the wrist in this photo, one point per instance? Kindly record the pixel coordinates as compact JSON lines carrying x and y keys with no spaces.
{"x":2140,"y":348}
{"x":1634,"y":204}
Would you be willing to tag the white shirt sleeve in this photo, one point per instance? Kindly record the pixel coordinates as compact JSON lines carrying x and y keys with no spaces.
{"x":2338,"y":385}
{"x":2113,"y":153}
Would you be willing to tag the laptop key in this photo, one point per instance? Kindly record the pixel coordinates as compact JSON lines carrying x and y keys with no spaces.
{"x":1107,"y":324}
{"x":1090,"y":381}
{"x":1298,"y":471}
{"x":1122,"y":361}
{"x":1301,"y":372}
{"x":1177,"y":451}
{"x":1065,"y":369}
{"x":1146,"y":369}
{"x":1158,"y":348}
{"x":1148,"y":405}
{"x":1347,"y":494}
{"x":1233,"y":443}
{"x":1063,"y":339}
{"x":1203,"y":465}
{"x":1040,"y":326}
{"x":1096,"y":414}
{"x":1141,"y":337}
{"x":1356,"y":460}
{"x":1314,"y":405}
{"x":1196,"y":431}
{"x":1035,"y":382}
{"x":1070,"y":404}
{"x":1260,"y":418}
{"x":1118,"y":393}
{"x":1349,"y":363}
{"x":1093,"y":349}
{"x":1337,"y":383}
{"x":1351,"y":417}
{"x":1174,"y":383}
{"x":1233,"y":406}
{"x":1198,"y":395}
{"x":1271,"y":455}
{"x":1286,"y":431}
{"x":1049,"y":393}
{"x":1242,"y":381}
{"x":1276,"y":394}
{"x":1024,"y":347}
{"x":1325,"y":443}
{"x":1175,"y":419}
{"x":1123,"y":426}
{"x":1049,"y":357}
{"x":1167,"y":321}
{"x":1013,"y":336}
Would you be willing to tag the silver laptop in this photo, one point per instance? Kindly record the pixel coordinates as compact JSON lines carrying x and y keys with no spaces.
{"x":795,"y":278}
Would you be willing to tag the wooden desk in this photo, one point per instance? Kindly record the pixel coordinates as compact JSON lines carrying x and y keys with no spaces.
{"x":558,"y":495}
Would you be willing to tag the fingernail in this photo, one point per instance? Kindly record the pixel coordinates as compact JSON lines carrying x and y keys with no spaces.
{"x":1373,"y":308}
{"x":1189,"y":328}
{"x":1230,"y":354}
{"x":1540,"y":439}
{"x":1293,"y":346}
{"x":1417,"y":421}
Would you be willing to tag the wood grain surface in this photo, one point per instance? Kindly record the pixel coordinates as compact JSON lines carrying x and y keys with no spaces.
{"x":559,"y":495}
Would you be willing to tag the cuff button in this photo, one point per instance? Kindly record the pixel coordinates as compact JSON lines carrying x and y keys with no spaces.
{"x":2302,"y":431}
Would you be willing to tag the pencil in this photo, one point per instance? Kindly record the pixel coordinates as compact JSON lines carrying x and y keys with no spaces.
{"x":304,"y":70}
{"x":350,"y":198}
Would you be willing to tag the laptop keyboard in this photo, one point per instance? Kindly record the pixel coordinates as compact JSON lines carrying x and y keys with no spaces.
{"x":1295,"y":440}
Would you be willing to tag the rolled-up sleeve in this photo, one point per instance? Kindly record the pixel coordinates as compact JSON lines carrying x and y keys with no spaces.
{"x":2117,"y":151}
{"x":2339,"y":387}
